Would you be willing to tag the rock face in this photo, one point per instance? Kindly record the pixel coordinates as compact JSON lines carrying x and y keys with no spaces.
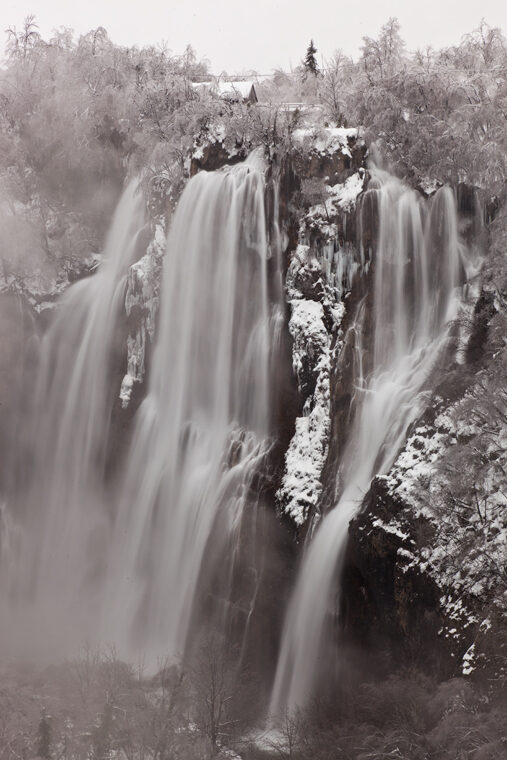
{"x":320,"y":182}
{"x":331,"y":153}
{"x":141,"y":306}
{"x":425,"y":575}
{"x":426,"y":566}
{"x":304,"y":460}
{"x":425,"y":569}
{"x":424,"y":580}
{"x":212,"y":156}
{"x":214,"y":149}
{"x":390,"y":607}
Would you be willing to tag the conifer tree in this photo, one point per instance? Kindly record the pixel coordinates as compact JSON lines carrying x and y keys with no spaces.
{"x":310,"y":62}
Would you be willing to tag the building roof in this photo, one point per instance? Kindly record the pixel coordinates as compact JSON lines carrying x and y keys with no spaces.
{"x":240,"y":89}
{"x":233,"y":91}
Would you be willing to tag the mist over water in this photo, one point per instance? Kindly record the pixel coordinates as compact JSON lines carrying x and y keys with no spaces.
{"x":58,"y":530}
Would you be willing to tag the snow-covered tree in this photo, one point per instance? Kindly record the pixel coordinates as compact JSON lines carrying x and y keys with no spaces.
{"x":381,"y":57}
{"x":336,"y":80}
{"x":19,"y":44}
{"x":310,"y":62}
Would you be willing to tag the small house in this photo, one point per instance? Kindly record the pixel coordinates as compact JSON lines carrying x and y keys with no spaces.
{"x":232,"y":92}
{"x":237,"y":92}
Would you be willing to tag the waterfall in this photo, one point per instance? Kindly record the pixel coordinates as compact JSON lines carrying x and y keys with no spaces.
{"x":125,"y":559}
{"x":416,"y":270}
{"x":62,"y":516}
{"x":204,"y":428}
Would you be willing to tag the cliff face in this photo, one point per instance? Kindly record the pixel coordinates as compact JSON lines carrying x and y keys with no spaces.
{"x":427,"y":556}
{"x":425,"y":568}
{"x":424,"y":578}
{"x":320,"y":183}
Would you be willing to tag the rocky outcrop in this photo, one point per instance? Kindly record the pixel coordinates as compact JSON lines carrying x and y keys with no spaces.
{"x":320,"y":263}
{"x":311,"y":356}
{"x":427,"y":555}
{"x":425,"y":571}
{"x":213,"y":149}
{"x":141,"y":306}
{"x":389,"y":606}
{"x":424,"y":579}
{"x":331,"y":153}
{"x":212,"y":156}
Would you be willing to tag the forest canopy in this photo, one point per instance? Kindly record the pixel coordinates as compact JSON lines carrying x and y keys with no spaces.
{"x":79,"y":114}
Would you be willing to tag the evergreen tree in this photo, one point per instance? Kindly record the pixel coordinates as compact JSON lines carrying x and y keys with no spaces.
{"x":310,"y":62}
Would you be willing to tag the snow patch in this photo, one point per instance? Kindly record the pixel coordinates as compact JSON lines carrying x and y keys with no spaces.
{"x":141,"y":305}
{"x":308,"y":332}
{"x":468,"y":524}
{"x":305,"y":458}
{"x":468,"y":661}
{"x":326,"y":140}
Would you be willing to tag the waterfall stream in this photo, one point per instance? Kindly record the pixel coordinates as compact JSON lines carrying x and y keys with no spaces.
{"x":417,"y":268}
{"x":64,"y":517}
{"x":130,"y":560}
{"x":123,"y":559}
{"x":204,"y":427}
{"x":73,"y":401}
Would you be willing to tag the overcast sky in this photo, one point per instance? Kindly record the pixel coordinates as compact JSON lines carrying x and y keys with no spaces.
{"x":261,"y":34}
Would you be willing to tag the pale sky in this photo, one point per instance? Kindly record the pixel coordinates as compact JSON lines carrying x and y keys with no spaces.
{"x":261,"y":34}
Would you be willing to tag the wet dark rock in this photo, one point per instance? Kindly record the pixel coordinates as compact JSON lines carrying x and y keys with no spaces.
{"x":214,"y":156}
{"x":391,"y":608}
{"x":336,"y":166}
{"x":390,"y":603}
{"x":484,"y":311}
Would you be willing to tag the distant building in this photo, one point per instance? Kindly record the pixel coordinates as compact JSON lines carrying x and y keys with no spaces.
{"x":238,"y":92}
{"x":232,"y":92}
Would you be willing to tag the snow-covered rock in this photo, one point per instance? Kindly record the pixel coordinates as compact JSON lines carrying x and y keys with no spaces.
{"x":306,"y":455}
{"x":141,"y":306}
{"x":313,"y":326}
{"x":326,"y":140}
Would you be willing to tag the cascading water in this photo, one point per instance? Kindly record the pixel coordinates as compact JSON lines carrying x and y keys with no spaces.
{"x":417,"y":268}
{"x":129,"y":564}
{"x":57,"y":546}
{"x":204,"y":427}
{"x":123,"y":561}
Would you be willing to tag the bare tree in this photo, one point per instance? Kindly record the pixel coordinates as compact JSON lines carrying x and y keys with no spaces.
{"x":19,"y":44}
{"x":213,"y":685}
{"x":333,"y":86}
{"x":382,"y":56}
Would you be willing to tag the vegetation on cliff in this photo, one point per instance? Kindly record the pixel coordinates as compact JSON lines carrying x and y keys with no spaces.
{"x":78,"y":115}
